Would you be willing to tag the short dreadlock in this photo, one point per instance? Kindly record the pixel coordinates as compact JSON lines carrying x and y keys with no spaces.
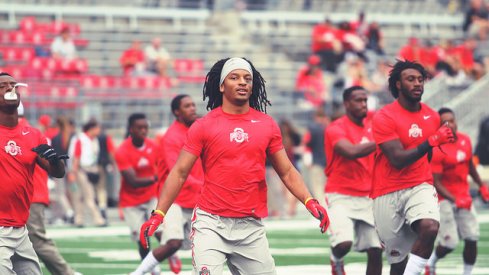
{"x":398,"y":68}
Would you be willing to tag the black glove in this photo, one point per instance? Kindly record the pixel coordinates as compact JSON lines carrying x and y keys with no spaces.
{"x":47,"y":152}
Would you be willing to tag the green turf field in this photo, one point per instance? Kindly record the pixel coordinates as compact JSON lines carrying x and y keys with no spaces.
{"x":297,"y":246}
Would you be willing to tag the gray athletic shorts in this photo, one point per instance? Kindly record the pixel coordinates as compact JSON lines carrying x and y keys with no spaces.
{"x":394,"y":213}
{"x":17,"y":256}
{"x":135,"y":216}
{"x":176,"y":225}
{"x":239,"y":242}
{"x":456,"y":224}
{"x":352,"y":220}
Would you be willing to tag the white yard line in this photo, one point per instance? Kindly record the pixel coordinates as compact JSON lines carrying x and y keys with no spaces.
{"x":122,"y":230}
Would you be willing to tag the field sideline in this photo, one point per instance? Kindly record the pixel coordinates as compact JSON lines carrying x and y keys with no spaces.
{"x":297,"y":247}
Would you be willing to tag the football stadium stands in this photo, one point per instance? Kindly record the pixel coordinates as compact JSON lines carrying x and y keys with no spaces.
{"x":275,"y":35}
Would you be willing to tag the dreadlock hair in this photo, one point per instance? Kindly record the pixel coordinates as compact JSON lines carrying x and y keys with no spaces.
{"x":176,"y":101}
{"x":398,"y":68}
{"x":132,"y":118}
{"x":258,"y":98}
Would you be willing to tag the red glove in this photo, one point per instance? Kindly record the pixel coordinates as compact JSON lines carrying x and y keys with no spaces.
{"x":149,"y":227}
{"x":463,"y":203}
{"x":318,"y":212}
{"x":484,"y":191}
{"x":442,"y":136}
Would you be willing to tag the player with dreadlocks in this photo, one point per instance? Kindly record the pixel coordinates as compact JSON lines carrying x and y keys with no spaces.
{"x":233,"y":141}
{"x":406,"y":210}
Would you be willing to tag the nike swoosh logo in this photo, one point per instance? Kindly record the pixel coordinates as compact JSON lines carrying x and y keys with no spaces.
{"x":25,"y":133}
{"x":426,"y":117}
{"x":254,"y":121}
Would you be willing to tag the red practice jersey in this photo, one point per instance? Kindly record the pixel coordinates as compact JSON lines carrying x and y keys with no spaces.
{"x":168,"y":151}
{"x":348,"y":176}
{"x":17,"y":163}
{"x":142,"y":160}
{"x":233,"y":149}
{"x":411,"y":128}
{"x":454,"y":165}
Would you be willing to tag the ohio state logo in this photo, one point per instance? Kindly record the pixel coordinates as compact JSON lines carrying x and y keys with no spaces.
{"x":12,"y":148}
{"x":204,"y":271}
{"x":238,"y":135}
{"x":415,"y":131}
{"x":461,"y":156}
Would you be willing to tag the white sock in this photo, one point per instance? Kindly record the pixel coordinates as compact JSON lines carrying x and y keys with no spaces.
{"x":415,"y":265}
{"x":149,"y":262}
{"x":433,"y":259}
{"x":335,"y":259}
{"x":468,"y":269}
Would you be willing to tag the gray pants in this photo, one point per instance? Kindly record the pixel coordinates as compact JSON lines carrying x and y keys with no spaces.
{"x":44,"y":246}
{"x":16,"y":253}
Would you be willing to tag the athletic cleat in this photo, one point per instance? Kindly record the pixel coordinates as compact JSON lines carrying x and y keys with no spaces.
{"x":175,"y":264}
{"x":337,"y":268}
{"x":429,"y":270}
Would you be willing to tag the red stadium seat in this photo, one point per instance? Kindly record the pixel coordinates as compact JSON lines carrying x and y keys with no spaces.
{"x":17,"y":54}
{"x":189,"y":70}
{"x":28,"y":23}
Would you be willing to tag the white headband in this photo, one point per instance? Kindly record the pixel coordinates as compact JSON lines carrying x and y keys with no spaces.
{"x":232,"y":64}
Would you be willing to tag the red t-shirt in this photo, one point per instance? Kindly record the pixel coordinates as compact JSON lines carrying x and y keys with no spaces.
{"x":454,"y":165}
{"x":142,"y":160}
{"x":348,"y":176}
{"x":411,"y":128}
{"x":168,"y":151}
{"x":17,"y":163}
{"x":233,"y":149}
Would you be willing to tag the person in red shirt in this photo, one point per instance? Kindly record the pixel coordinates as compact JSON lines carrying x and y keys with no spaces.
{"x":23,"y":147}
{"x":310,"y":82}
{"x":349,"y":146}
{"x":178,"y":219}
{"x":44,"y":246}
{"x":132,"y":59}
{"x":135,"y":158}
{"x":233,"y":140}
{"x":451,"y":164}
{"x":406,"y":211}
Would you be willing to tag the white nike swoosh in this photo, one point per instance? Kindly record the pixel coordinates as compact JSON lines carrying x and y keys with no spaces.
{"x":426,"y":117}
{"x":254,"y":121}
{"x":25,"y":133}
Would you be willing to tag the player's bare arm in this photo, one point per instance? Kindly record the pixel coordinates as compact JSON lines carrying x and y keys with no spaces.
{"x":294,"y":182}
{"x":483,"y":189}
{"x":134,"y":181}
{"x":352,"y":151}
{"x":400,"y":157}
{"x":289,"y":175}
{"x":175,"y":180}
{"x":441,"y":189}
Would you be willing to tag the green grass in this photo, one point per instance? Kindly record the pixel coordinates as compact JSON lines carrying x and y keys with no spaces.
{"x":118,"y":255}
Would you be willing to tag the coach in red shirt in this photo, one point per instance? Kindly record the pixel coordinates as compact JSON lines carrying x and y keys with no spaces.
{"x":22,"y":148}
{"x":406,"y":208}
{"x":452,"y":164}
{"x":349,"y":150}
{"x":233,"y":140}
